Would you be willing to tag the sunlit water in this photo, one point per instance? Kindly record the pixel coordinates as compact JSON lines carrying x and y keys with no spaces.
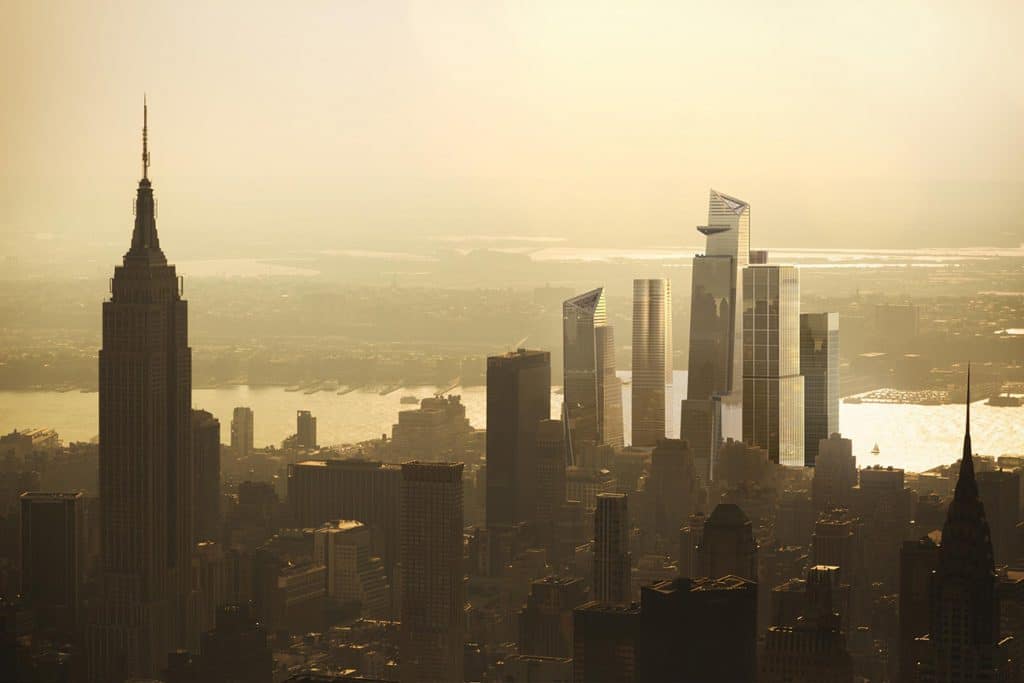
{"x":910,"y":436}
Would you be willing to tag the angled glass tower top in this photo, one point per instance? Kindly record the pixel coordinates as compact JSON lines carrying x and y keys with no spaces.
{"x":728,"y":228}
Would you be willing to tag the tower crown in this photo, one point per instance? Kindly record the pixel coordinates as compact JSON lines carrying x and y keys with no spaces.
{"x":145,"y":241}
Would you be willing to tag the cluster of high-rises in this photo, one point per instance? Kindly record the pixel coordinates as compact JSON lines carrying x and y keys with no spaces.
{"x":713,"y":557}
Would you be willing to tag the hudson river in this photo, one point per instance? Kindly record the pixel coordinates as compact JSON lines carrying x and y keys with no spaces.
{"x":910,"y":436}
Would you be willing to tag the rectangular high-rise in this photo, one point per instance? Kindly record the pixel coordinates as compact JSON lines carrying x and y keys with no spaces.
{"x":773,"y":388}
{"x":652,"y":358}
{"x":53,"y":540}
{"x":715,"y":365}
{"x":431,"y":632}
{"x":819,"y":364}
{"x":518,"y":398}
{"x":145,"y":473}
{"x":305,"y":430}
{"x":593,"y":398}
{"x":206,"y":476}
{"x":611,"y":549}
{"x":242,"y":431}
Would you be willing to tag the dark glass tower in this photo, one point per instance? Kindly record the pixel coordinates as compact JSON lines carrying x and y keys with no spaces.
{"x":518,"y":398}
{"x":819,"y":364}
{"x":145,"y":394}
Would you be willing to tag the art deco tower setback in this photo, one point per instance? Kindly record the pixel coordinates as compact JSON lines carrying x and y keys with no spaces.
{"x":652,"y":358}
{"x":145,"y":469}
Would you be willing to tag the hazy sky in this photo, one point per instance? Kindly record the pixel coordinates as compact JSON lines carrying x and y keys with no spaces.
{"x":277,"y":125}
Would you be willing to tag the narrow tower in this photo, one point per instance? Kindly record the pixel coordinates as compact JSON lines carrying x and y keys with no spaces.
{"x":963,"y":644}
{"x":145,"y":395}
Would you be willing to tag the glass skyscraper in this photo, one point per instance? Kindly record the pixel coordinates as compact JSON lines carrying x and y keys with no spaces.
{"x":652,"y":358}
{"x":773,"y":389}
{"x":819,"y":364}
{"x":716,"y":328}
{"x":593,"y":398}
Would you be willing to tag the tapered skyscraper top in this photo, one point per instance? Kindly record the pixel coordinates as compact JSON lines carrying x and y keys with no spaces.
{"x":966,"y":540}
{"x":145,"y":247}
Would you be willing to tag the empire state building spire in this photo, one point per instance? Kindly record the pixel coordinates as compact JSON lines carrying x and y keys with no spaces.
{"x":145,"y":242}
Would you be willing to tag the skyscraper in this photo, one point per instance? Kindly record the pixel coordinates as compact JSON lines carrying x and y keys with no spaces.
{"x":205,"y":476}
{"x":835,"y":473}
{"x":611,"y":549}
{"x":430,"y":640}
{"x":145,"y":396}
{"x":716,"y":308}
{"x":53,"y":540}
{"x":652,"y":358}
{"x":773,"y":389}
{"x":698,"y":631}
{"x":305,"y":430}
{"x":242,"y":431}
{"x":518,"y":398}
{"x":963,"y":643}
{"x":819,"y":364}
{"x":727,"y":545}
{"x":593,"y":398}
{"x":671,"y":494}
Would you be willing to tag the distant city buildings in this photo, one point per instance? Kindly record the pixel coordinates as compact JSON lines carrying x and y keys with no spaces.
{"x":242,"y":431}
{"x":593,"y":396}
{"x":819,"y":364}
{"x":353,"y":574}
{"x":436,"y":431}
{"x":652,"y":358}
{"x":431,"y":645}
{"x":773,"y":389}
{"x":305,"y":430}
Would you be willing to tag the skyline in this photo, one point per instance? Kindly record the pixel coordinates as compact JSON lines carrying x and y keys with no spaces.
{"x":356,"y":125}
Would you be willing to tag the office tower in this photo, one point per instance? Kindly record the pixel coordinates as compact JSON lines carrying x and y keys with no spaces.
{"x":236,"y":649}
{"x":819,"y":364}
{"x":690,"y":535}
{"x":205,"y":476}
{"x":593,"y":398}
{"x":545,"y":623}
{"x":700,"y":424}
{"x":698,"y":631}
{"x":813,"y":647}
{"x":432,"y":592}
{"x":242,"y":431}
{"x":835,"y":474}
{"x":652,"y":358}
{"x":716,"y":309}
{"x":963,"y":642}
{"x":672,"y":489}
{"x":436,"y":431}
{"x":773,"y":389}
{"x":604,"y":642}
{"x":364,"y":490}
{"x":518,"y":398}
{"x":353,"y":574}
{"x":727,"y":544}
{"x":611,"y":549}
{"x":885,"y":506}
{"x":918,"y":559}
{"x":1000,"y":492}
{"x":145,"y":475}
{"x":551,"y":458}
{"x":53,"y":540}
{"x":305,"y":430}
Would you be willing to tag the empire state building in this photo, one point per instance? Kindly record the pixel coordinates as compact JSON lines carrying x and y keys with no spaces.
{"x":145,"y":394}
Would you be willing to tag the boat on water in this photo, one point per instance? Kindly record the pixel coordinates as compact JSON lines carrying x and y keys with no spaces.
{"x":294,"y":387}
{"x":409,"y":400}
{"x":876,"y":450}
{"x":1004,"y":401}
